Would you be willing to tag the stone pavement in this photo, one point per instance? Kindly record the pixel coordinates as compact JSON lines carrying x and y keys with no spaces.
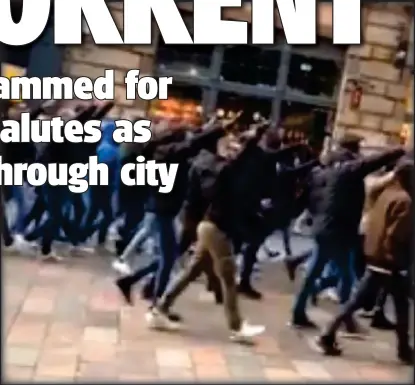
{"x":67,"y":323}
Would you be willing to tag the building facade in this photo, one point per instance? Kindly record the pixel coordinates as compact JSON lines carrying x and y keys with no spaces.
{"x":349,"y":89}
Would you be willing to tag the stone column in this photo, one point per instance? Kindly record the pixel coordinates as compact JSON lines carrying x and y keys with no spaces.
{"x":381,"y":113}
{"x":92,"y":60}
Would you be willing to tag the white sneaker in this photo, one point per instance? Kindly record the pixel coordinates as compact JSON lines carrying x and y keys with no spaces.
{"x":121,"y":267}
{"x":109,"y":247}
{"x":52,"y":257}
{"x":159,"y":321}
{"x":331,"y":295}
{"x":246,"y":333}
{"x":11,"y":248}
{"x":23,"y":246}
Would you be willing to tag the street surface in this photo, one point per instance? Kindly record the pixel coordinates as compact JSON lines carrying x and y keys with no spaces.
{"x":67,"y":323}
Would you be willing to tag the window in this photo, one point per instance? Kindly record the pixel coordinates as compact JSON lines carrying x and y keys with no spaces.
{"x":191,"y":60}
{"x":184,"y":103}
{"x":253,"y":65}
{"x":230,"y":103}
{"x":313,"y":76}
{"x":300,"y":120}
{"x":316,"y":70}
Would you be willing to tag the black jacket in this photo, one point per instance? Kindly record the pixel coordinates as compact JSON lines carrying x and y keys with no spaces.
{"x":14,"y":153}
{"x":180,"y":153}
{"x":285,"y":194}
{"x":223,"y":204}
{"x":339,"y":193}
{"x":68,"y":152}
{"x":202,"y":177}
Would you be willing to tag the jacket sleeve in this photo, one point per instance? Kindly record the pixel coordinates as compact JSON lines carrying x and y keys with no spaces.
{"x":302,"y":169}
{"x":86,"y":114}
{"x":398,"y":228}
{"x":101,"y":112}
{"x":281,"y":154}
{"x":191,"y":147}
{"x":365,"y":166}
{"x":375,"y":186}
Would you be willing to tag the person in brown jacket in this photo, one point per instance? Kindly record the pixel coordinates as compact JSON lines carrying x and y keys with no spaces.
{"x":387,"y":248}
{"x":375,"y":301}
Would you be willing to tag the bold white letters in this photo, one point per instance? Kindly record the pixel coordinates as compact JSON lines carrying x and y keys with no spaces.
{"x":347,"y":21}
{"x":68,"y":22}
{"x":35,"y":15}
{"x":299,"y":21}
{"x":137,"y":22}
{"x":209,"y":28}
{"x":263,"y":20}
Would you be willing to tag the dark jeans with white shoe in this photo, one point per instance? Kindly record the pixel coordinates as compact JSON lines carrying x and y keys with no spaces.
{"x":396,"y":284}
{"x":326,"y":250}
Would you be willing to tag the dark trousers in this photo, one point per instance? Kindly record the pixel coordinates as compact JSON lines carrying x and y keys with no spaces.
{"x":7,"y":237}
{"x":55,"y":200}
{"x":397,"y":285}
{"x":133,"y":211}
{"x":254,"y":243}
{"x":169,"y":252}
{"x":325,"y":251}
{"x":36,"y":212}
{"x":100,"y":199}
{"x":78,"y":205}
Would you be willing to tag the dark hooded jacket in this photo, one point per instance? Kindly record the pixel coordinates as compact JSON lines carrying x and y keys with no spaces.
{"x":180,"y":153}
{"x":339,"y":193}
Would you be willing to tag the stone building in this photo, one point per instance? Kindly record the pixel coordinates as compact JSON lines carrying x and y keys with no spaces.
{"x":292,"y":85}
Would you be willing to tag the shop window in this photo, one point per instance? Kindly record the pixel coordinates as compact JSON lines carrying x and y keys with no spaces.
{"x":316,"y":70}
{"x":305,"y":121}
{"x":184,"y":103}
{"x":230,"y":103}
{"x":191,"y":60}
{"x":253,"y":65}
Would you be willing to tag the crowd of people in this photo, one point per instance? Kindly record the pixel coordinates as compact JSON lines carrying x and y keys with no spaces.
{"x":234,"y":188}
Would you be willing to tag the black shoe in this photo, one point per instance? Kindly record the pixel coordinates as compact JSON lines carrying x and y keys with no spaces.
{"x":380,"y":322}
{"x":353,"y":330}
{"x":327,"y":346}
{"x":291,"y":269}
{"x":249,"y":292}
{"x":406,"y":355}
{"x":125,"y":289}
{"x":147,"y":291}
{"x":174,"y":317}
{"x":218,"y":297}
{"x":302,"y":322}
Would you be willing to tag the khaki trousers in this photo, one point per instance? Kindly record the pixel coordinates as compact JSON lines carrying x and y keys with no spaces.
{"x":212,"y":248}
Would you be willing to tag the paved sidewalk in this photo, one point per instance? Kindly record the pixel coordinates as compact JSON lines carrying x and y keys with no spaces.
{"x":67,"y":323}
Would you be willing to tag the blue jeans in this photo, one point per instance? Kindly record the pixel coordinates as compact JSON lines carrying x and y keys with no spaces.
{"x":18,"y":195}
{"x":146,"y":229}
{"x":325,"y":251}
{"x":55,"y":200}
{"x":169,"y":252}
{"x":99,"y":203}
{"x":329,"y":278}
{"x":162,"y":266}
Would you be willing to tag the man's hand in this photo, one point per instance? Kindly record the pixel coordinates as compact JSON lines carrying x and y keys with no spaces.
{"x":230,"y":121}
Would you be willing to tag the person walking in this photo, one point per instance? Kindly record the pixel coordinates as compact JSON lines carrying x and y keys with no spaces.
{"x":388,"y":250}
